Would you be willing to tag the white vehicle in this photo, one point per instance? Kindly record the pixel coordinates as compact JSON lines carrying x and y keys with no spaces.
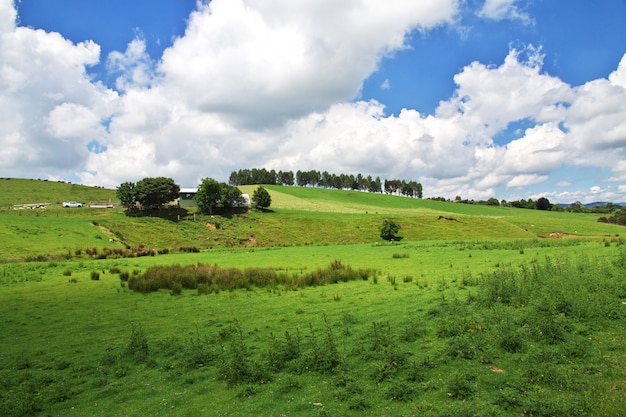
{"x":72,"y":204}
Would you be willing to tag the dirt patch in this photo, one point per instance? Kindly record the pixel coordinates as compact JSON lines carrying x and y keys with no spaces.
{"x":452,"y":219}
{"x":556,"y":235}
{"x":210,"y":226}
{"x":497,"y":370}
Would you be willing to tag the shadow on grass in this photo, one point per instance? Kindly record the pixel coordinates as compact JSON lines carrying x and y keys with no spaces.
{"x":168,"y":213}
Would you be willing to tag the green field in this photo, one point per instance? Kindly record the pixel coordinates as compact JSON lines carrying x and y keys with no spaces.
{"x":498,"y":312}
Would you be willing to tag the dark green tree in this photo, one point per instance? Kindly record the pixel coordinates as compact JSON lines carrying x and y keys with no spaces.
{"x":154,"y":192}
{"x":209,"y":196}
{"x":213,"y":195}
{"x":127,"y":195}
{"x":389,"y":230}
{"x":231,"y":196}
{"x":261,"y":198}
{"x":543,"y":204}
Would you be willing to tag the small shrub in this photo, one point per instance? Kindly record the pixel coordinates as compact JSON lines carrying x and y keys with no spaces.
{"x":67,"y":273}
{"x":177,"y":288}
{"x":462,"y":386}
{"x":95,"y":275}
{"x":137,"y":347}
{"x":124,"y":276}
{"x":400,"y":392}
{"x":400,"y":255}
{"x":114,"y":270}
{"x":204,"y":289}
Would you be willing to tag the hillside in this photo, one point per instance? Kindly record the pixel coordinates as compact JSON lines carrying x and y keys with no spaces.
{"x":14,"y":191}
{"x":298,"y":216}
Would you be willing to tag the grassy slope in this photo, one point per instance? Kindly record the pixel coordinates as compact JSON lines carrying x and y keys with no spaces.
{"x":24,"y":191}
{"x":298,"y":216}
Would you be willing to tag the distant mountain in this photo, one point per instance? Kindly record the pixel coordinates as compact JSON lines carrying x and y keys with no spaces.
{"x":596,"y":204}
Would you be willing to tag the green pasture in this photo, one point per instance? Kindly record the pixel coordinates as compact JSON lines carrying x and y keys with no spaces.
{"x":486,"y":311}
{"x":298,"y":217}
{"x":18,"y":191}
{"x":413,"y":339}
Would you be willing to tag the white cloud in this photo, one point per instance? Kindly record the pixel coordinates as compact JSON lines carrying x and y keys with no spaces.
{"x":51,"y":107}
{"x":265,"y":62}
{"x":503,"y":9}
{"x":135,"y":66}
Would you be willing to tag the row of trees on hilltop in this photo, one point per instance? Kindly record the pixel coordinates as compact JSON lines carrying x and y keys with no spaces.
{"x":325,"y":179}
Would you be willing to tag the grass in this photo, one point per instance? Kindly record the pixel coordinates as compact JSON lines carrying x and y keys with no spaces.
{"x":299,"y":216}
{"x":480,"y":316}
{"x":15,"y":191}
{"x":430,"y":346}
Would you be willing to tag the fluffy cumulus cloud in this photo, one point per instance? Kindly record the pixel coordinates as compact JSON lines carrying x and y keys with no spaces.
{"x":272,"y":84}
{"x":51,"y":108}
{"x":503,"y":9}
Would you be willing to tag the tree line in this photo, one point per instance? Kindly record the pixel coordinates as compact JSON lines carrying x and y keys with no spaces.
{"x":325,"y":179}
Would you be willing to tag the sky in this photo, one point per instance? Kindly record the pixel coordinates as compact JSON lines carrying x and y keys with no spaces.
{"x":473,"y":98}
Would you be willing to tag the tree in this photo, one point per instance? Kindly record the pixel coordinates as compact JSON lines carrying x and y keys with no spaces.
{"x":231,"y":196}
{"x":543,"y":204}
{"x":261,"y":198}
{"x":389,"y":229}
{"x":209,"y":195}
{"x":154,"y":192}
{"x":127,"y":195}
{"x":213,"y":195}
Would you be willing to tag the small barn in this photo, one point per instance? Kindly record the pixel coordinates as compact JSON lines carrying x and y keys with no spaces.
{"x":185,"y":197}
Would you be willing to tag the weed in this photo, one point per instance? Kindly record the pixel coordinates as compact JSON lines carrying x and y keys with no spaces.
{"x":235,"y":364}
{"x":324,"y":356}
{"x":400,"y":391}
{"x":462,"y":385}
{"x":137,"y":346}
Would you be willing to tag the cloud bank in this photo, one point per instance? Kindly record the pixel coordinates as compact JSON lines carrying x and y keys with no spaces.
{"x":269,"y":84}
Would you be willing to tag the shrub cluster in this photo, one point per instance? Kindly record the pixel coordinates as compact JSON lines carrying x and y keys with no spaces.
{"x":212,"y":278}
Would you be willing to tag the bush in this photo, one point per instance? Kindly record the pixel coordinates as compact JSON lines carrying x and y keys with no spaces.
{"x":137,"y":347}
{"x":389,"y":229}
{"x":67,"y":273}
{"x":95,"y":275}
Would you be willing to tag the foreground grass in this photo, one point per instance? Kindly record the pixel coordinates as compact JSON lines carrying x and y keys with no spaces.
{"x":443,"y":328}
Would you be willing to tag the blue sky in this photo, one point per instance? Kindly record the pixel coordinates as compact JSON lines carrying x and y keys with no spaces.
{"x":505,"y":98}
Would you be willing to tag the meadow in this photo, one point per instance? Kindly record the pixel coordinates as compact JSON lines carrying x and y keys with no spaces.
{"x":500,"y":312}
